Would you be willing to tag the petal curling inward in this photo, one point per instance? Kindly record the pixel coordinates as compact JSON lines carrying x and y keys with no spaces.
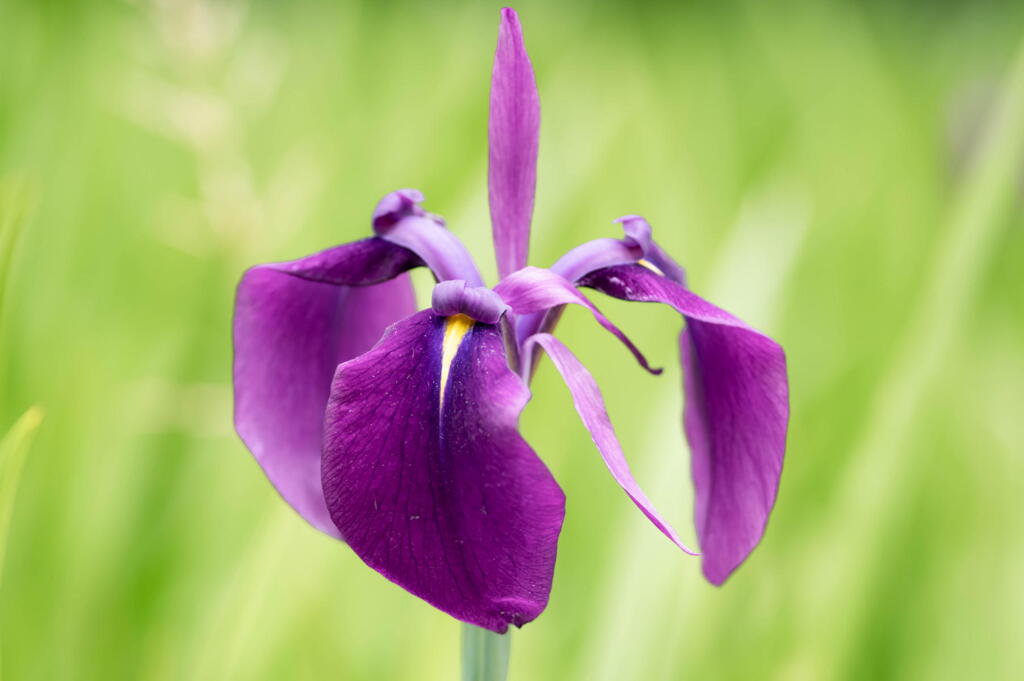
{"x":294,"y":322}
{"x":593,"y":255}
{"x":451,"y":503}
{"x":639,"y":231}
{"x":586,"y":397}
{"x":637,"y":246}
{"x":400,"y":219}
{"x":532,"y":291}
{"x":736,"y":414}
{"x":478,"y":302}
{"x":513,"y":133}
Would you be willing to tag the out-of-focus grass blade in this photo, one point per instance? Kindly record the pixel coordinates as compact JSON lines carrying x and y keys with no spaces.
{"x":13,"y":208}
{"x":13,"y":448}
{"x":871,"y":494}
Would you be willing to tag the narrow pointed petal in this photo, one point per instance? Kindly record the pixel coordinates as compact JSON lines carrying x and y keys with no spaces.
{"x":736,"y":414}
{"x":586,"y":396}
{"x":513,"y":134}
{"x":533,"y":291}
{"x":294,"y":323}
{"x":432,"y":485}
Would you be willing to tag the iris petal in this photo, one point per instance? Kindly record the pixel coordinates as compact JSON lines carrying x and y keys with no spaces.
{"x":400,"y":219}
{"x":447,"y":501}
{"x":294,"y":323}
{"x":736,"y":414}
{"x":513,"y":134}
{"x":533,"y":291}
{"x":586,"y":396}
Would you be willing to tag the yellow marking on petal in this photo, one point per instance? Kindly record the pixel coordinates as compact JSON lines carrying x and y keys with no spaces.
{"x":455,"y":329}
{"x":651,"y":266}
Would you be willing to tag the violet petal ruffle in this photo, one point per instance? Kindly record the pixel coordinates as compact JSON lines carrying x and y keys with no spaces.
{"x":445,"y":499}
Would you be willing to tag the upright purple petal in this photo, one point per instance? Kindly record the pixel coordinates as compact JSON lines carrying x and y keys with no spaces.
{"x":442,"y":497}
{"x":586,"y":396}
{"x":736,"y":414}
{"x":294,"y":323}
{"x":513,"y":133}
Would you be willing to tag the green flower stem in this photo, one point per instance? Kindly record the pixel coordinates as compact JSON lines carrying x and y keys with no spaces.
{"x":484,"y":654}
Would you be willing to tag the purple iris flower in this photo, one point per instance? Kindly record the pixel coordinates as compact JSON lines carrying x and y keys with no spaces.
{"x":396,"y":430}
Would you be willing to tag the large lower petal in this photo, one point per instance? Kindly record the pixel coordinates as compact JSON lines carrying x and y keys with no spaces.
{"x":736,"y":414}
{"x":294,"y":323}
{"x":432,"y":485}
{"x":586,"y":397}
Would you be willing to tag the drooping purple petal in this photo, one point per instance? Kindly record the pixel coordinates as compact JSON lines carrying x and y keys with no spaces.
{"x":400,"y":219}
{"x":442,"y":497}
{"x":736,"y":414}
{"x":533,"y":291}
{"x":294,"y":323}
{"x":586,"y":396}
{"x":513,"y":134}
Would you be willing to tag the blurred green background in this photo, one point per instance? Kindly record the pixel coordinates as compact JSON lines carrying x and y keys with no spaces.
{"x":845,"y":176}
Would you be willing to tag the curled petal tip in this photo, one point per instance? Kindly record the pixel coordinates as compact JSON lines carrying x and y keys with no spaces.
{"x":638,"y":230}
{"x":400,"y":219}
{"x":395,"y":206}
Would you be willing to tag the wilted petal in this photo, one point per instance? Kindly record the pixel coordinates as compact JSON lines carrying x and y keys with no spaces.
{"x":586,"y":396}
{"x":294,"y":323}
{"x":442,"y":497}
{"x":513,"y":133}
{"x":532,"y":291}
{"x":736,"y":415}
